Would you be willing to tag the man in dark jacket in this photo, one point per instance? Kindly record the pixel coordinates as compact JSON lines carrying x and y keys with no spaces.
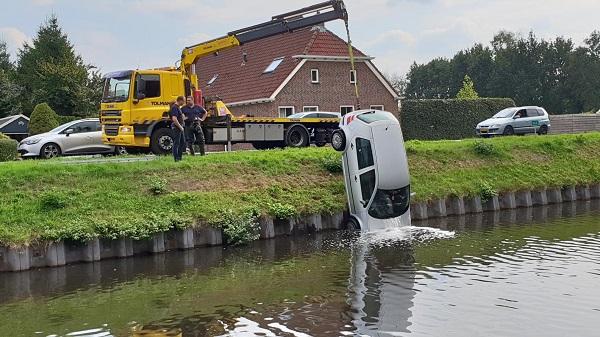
{"x":194,"y":115}
{"x":178,"y":131}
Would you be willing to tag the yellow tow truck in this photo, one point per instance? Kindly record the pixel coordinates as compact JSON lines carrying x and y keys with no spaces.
{"x":135,"y":103}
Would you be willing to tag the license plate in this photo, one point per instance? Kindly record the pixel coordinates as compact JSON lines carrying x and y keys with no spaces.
{"x":483,"y":130}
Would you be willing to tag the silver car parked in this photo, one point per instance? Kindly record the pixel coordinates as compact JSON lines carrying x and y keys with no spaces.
{"x":78,"y":137}
{"x":517,"y":120}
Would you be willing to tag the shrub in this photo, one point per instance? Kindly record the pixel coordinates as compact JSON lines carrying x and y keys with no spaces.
{"x":447,"y":118}
{"x":54,"y":200}
{"x":282,"y":211}
{"x":158,"y":185}
{"x":486,"y":191}
{"x":43,"y":119}
{"x":332,"y":163}
{"x":3,"y":136}
{"x":241,"y":228}
{"x":66,"y":119}
{"x":484,"y":148}
{"x":8,"y":149}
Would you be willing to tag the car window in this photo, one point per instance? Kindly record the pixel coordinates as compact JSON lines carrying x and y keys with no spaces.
{"x":532,"y":113}
{"x":364,"y":153}
{"x":311,"y":116}
{"x":88,"y":126}
{"x":390,"y":203}
{"x":367,"y":185}
{"x":374,"y":116}
{"x":326,"y":115}
{"x":521,"y":113}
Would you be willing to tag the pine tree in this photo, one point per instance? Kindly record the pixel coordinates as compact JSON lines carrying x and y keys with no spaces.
{"x":43,"y":119}
{"x":51,"y":72}
{"x":5,"y":64}
{"x":468,"y":90}
{"x":9,"y":90}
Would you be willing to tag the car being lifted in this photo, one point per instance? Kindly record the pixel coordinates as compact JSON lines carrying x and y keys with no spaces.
{"x":375,"y":169}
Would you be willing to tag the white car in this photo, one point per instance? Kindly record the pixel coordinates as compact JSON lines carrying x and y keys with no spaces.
{"x":375,"y":169}
{"x":78,"y":137}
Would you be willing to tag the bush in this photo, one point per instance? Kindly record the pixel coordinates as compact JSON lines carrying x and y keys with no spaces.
{"x":3,"y":136}
{"x":66,"y":119}
{"x":8,"y":149}
{"x":486,"y":191}
{"x":332,"y":163}
{"x":432,"y":119}
{"x":282,"y":211}
{"x":241,"y":228}
{"x":158,"y":186}
{"x":43,"y":119}
{"x":484,"y":148}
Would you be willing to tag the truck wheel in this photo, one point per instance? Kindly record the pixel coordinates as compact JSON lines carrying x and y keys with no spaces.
{"x":161,"y":141}
{"x":338,"y":140}
{"x":297,"y":136}
{"x":120,"y":150}
{"x":268,"y":145}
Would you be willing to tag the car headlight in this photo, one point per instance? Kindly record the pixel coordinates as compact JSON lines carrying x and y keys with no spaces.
{"x":32,"y":141}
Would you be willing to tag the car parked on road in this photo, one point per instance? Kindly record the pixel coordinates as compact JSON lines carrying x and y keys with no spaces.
{"x":315,"y":114}
{"x":516,"y":120}
{"x":80,"y":137}
{"x":375,"y":169}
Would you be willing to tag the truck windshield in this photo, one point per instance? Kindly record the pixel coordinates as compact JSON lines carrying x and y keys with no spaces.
{"x":390,"y":203}
{"x":116,"y":89}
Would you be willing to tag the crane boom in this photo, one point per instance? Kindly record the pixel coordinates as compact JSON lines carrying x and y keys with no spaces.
{"x":279,"y":24}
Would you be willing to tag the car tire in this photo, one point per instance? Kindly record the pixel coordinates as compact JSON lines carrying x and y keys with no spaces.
{"x":121,"y":151}
{"x":508,"y":131}
{"x":50,"y":150}
{"x":161,"y":141}
{"x":297,"y":136}
{"x":352,"y":224}
{"x":543,"y":130}
{"x":338,"y":140}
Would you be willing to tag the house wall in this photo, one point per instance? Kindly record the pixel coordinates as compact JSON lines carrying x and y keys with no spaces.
{"x":333,"y":90}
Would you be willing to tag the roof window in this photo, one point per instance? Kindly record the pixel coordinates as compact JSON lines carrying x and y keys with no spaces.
{"x":213,"y":79}
{"x":271,"y":68}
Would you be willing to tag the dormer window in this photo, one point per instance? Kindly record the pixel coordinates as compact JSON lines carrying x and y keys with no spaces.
{"x":271,"y":68}
{"x":213,"y":79}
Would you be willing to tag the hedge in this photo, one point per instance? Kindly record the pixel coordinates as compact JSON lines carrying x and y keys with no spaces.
{"x":8,"y":149}
{"x":433,"y":119}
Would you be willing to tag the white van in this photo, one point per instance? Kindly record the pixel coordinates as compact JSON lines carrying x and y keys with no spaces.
{"x":375,"y":169}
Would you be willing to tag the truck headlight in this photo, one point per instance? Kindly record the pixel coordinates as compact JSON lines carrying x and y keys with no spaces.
{"x":126,"y":129}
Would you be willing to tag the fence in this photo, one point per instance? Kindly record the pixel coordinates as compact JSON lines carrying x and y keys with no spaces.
{"x":574,"y":123}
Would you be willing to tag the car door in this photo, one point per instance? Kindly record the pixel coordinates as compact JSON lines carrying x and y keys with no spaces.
{"x":522,"y":124}
{"x":75,"y":139}
{"x":534,"y":118}
{"x":94,"y":140}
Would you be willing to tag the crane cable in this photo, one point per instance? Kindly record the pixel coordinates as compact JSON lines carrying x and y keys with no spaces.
{"x":352,"y":65}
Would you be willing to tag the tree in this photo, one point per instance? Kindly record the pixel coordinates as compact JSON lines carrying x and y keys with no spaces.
{"x":50,"y":71}
{"x":9,"y":89}
{"x":468,"y":90}
{"x":5,"y":64}
{"x":398,"y":83}
{"x":43,"y":119}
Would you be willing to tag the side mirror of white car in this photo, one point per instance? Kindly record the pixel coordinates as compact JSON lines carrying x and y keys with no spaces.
{"x":68,"y":132}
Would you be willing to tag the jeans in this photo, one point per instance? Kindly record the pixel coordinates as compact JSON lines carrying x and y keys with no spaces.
{"x":178,"y":144}
{"x":194,"y":134}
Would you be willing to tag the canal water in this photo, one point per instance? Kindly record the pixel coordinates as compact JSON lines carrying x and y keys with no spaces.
{"x":526,"y":272}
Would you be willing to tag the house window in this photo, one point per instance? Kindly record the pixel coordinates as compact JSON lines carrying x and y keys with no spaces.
{"x":352,"y":76}
{"x":310,"y":108}
{"x":271,"y":67}
{"x":314,"y":75}
{"x":213,"y":79}
{"x":344,"y":109}
{"x":376,"y":107}
{"x":285,"y":111}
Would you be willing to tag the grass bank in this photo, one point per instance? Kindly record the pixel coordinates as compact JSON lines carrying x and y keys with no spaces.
{"x":52,"y":200}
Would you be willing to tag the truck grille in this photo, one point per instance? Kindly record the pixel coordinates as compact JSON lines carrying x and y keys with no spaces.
{"x":111,"y":130}
{"x":111,"y":113}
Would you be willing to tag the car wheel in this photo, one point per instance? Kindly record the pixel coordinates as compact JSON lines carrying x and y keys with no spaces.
{"x":543,"y":130}
{"x":508,"y":131}
{"x":161,"y":141}
{"x":353,"y":224}
{"x":50,"y":150}
{"x":338,"y":140}
{"x":121,"y":151}
{"x":297,"y":136}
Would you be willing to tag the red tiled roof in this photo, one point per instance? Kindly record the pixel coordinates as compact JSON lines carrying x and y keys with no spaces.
{"x":238,"y":82}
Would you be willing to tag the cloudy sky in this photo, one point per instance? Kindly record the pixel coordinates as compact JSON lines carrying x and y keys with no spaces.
{"x":122,"y":34}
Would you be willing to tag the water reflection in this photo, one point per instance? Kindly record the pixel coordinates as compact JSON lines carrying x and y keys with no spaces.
{"x":526,"y":272}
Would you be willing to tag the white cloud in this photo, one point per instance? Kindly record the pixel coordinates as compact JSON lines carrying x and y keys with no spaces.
{"x":393,"y":37}
{"x":14,"y":38}
{"x":193,"y":39}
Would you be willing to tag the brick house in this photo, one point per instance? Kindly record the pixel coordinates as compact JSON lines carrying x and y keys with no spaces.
{"x":305,"y":70}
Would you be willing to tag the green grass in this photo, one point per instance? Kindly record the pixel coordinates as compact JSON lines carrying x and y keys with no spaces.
{"x":53,"y":200}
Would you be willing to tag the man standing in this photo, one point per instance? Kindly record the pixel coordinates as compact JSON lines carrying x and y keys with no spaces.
{"x":194,"y":115}
{"x":177,"y":126}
